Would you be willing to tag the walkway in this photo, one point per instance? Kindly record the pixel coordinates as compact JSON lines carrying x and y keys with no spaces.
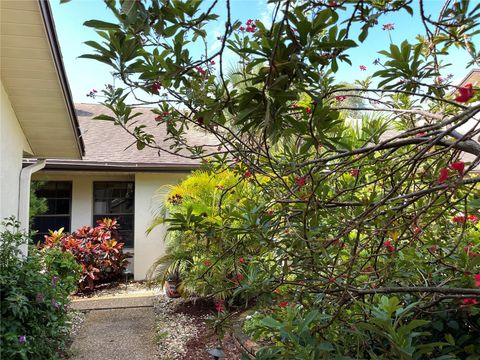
{"x":116,"y":328}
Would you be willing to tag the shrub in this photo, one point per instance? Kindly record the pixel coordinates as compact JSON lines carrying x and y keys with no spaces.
{"x":96,"y":249}
{"x":34,"y":298}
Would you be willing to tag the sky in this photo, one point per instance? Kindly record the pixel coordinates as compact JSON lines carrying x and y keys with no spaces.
{"x":85,"y":74}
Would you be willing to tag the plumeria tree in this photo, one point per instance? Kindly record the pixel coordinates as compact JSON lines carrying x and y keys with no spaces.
{"x":357,"y":216}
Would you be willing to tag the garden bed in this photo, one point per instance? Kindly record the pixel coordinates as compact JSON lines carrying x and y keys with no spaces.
{"x":182,"y":332}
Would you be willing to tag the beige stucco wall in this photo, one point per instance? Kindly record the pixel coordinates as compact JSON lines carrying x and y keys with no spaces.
{"x":149,"y":248}
{"x":13,"y":145}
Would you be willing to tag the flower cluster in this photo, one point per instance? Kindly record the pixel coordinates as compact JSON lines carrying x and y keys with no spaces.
{"x":465,"y":93}
{"x":363,"y":68}
{"x":175,"y":199}
{"x":469,"y":250}
{"x":92,"y":93}
{"x":388,"y":245}
{"x":200,"y":70}
{"x":251,"y":27}
{"x":389,"y":26}
{"x":444,"y":174}
{"x":155,"y":87}
{"x":462,"y":219}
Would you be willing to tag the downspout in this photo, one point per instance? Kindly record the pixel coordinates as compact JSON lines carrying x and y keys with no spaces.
{"x":24,"y":198}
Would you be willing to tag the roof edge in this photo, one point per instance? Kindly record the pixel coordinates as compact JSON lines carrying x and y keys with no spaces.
{"x":49,"y":24}
{"x":76,"y":165}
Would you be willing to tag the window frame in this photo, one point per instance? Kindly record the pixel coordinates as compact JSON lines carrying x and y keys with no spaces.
{"x":115,"y":215}
{"x":70,"y":198}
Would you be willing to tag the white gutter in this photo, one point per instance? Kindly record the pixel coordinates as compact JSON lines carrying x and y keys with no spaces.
{"x":24,"y":198}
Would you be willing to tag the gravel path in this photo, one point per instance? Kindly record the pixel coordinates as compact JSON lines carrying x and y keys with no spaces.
{"x":118,"y":334}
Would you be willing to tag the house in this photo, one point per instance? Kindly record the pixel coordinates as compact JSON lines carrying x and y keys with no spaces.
{"x":114,"y":179}
{"x":37,"y":116}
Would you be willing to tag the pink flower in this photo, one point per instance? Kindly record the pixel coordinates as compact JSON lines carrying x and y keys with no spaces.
{"x":301,"y":180}
{"x":241,"y":260}
{"x":212,"y":62}
{"x":420,"y":134}
{"x":340,"y":98}
{"x":363,"y":68}
{"x":155,"y":87}
{"x":241,"y":28}
{"x":355,"y":172}
{"x":477,"y":280}
{"x":443,"y":176}
{"x":389,"y":26}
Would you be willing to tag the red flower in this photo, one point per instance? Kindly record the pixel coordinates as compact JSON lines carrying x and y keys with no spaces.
{"x":219,"y":306}
{"x":477,"y":280}
{"x":301,"y":180}
{"x":333,"y":3}
{"x":340,"y":98}
{"x":241,"y":28}
{"x":283,"y":304}
{"x":241,"y":260}
{"x":238,"y":277}
{"x":207,"y":263}
{"x":155,"y":87}
{"x":459,"y":219}
{"x":469,"y":301}
{"x":247,"y":174}
{"x":308,"y":110}
{"x":212,"y":62}
{"x":355,"y":172}
{"x":466,"y":93}
{"x":363,"y":68}
{"x":458,"y":166}
{"x":472,"y":218}
{"x":389,"y":246}
{"x":443,"y":175}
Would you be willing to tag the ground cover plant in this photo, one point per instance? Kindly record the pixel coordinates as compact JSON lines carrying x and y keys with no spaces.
{"x":363,"y":215}
{"x":96,"y":249}
{"x":34,"y":298}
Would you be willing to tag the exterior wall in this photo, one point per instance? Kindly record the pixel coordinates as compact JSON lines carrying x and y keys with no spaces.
{"x":13,"y":146}
{"x":82,"y":194}
{"x":149,"y":248}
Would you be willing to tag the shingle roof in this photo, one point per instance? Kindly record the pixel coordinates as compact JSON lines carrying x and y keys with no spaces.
{"x":107,"y":142}
{"x":109,"y":146}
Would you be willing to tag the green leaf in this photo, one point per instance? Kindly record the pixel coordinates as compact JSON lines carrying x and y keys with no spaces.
{"x":101,"y":25}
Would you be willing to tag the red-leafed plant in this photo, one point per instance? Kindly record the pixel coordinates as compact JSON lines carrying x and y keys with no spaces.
{"x":97,"y":249}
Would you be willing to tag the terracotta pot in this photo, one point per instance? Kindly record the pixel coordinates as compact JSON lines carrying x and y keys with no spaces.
{"x":171,"y":289}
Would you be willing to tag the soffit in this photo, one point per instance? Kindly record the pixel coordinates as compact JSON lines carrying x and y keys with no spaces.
{"x":31,"y":79}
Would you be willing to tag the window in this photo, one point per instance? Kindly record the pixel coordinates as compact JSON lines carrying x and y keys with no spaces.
{"x":114,"y":199}
{"x":59,"y":202}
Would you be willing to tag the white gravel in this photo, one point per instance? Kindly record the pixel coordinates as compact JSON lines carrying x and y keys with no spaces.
{"x":173,"y":329}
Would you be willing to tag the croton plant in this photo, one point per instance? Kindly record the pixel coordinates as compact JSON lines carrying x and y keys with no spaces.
{"x":362,"y":238}
{"x":97,"y":249}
